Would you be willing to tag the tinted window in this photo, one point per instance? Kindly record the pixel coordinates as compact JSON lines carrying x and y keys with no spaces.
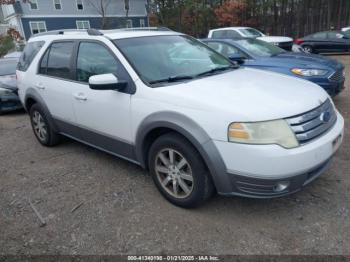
{"x":7,"y":67}
{"x":28,"y":54}
{"x":321,"y":35}
{"x":335,"y":35}
{"x":43,"y":64}
{"x":224,"y":49}
{"x":59,"y":60}
{"x":250,"y":32}
{"x":94,"y":59}
{"x":232,"y":34}
{"x":219,"y":34}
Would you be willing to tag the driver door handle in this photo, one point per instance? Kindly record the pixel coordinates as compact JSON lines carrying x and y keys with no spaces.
{"x":80,"y":97}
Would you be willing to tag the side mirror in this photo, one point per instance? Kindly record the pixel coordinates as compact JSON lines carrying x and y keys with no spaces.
{"x":106,"y":82}
{"x":236,"y":57}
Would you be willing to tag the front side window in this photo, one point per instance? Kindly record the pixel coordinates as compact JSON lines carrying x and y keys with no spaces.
{"x":57,"y":60}
{"x":33,"y":4}
{"x":57,"y":4}
{"x":250,"y":32}
{"x":171,"y":58}
{"x":29,"y":52}
{"x":83,"y":24}
{"x":80,"y":5}
{"x":260,"y":48}
{"x":94,"y":59}
{"x":336,"y":35}
{"x":37,"y":27}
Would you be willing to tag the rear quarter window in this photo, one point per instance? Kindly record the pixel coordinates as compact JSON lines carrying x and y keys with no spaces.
{"x":29,"y":53}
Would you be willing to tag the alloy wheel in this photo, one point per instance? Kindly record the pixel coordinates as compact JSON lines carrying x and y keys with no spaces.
{"x":39,"y":126}
{"x":174,"y":173}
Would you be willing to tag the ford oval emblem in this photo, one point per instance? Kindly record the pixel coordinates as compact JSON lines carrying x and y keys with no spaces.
{"x":325,"y":117}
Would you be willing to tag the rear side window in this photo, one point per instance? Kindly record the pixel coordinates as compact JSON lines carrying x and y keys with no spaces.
{"x":232,"y":34}
{"x":57,"y":60}
{"x":321,"y":35}
{"x":219,"y":34}
{"x":29,"y":53}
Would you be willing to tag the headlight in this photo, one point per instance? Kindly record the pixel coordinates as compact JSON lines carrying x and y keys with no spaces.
{"x":4,"y":91}
{"x":309,"y":72}
{"x":263,"y":133}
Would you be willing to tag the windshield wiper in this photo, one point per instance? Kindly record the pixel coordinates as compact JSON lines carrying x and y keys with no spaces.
{"x":215,"y":70}
{"x":171,"y":79}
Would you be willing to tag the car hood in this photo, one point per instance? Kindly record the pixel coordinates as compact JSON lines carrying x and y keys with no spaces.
{"x":302,"y":60}
{"x":245,"y":94}
{"x":275,"y":39}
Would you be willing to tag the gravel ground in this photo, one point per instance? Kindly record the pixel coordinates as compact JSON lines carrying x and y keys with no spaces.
{"x":119,"y":211}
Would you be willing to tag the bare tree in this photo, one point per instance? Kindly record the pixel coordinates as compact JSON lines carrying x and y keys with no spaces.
{"x":101,"y":6}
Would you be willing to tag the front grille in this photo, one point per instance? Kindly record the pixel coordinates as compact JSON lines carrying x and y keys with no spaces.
{"x":286,"y":45}
{"x":313,"y":124}
{"x":338,"y":76}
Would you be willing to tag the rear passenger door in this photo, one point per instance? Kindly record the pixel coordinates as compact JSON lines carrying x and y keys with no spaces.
{"x":102,"y":115}
{"x":54,"y":82}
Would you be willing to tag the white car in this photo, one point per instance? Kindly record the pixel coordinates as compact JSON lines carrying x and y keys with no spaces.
{"x":172,"y":105}
{"x":248,"y":32}
{"x":346,"y":30}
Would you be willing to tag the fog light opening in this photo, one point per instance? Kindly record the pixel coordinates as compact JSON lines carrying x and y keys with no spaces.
{"x":281,"y":186}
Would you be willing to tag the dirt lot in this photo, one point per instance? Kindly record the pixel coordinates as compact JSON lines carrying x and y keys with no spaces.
{"x":123,"y":213}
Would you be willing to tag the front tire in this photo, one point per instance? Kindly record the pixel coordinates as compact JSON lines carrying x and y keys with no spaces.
{"x":42,"y":127}
{"x":179,"y":172}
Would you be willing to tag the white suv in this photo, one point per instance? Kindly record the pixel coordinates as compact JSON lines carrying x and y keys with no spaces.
{"x":248,"y":32}
{"x":170,"y":104}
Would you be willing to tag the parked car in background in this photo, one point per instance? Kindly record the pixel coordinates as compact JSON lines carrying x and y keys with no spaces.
{"x":326,"y":72}
{"x":325,"y":42}
{"x":13,"y":55}
{"x":346,"y":30}
{"x":248,"y":32}
{"x":9,"y":99}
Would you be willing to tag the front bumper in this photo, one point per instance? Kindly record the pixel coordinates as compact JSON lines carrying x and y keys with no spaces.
{"x":256,"y":170}
{"x":333,"y":88}
{"x":9,"y":103}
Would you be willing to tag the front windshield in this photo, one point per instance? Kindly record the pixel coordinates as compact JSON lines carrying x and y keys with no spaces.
{"x":260,"y":48}
{"x":8,"y":67}
{"x":250,"y":32}
{"x":171,"y":58}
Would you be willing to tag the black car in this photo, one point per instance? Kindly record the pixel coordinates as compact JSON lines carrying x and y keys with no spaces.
{"x":9,"y":99}
{"x":325,"y":42}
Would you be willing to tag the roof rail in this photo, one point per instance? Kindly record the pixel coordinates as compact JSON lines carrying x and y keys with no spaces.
{"x":70,"y":31}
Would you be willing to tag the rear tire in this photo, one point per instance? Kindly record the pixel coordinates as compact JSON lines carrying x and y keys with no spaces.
{"x":42,"y":126}
{"x":179,"y":171}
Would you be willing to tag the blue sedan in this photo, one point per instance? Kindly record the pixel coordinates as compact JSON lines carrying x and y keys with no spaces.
{"x":327,"y":73}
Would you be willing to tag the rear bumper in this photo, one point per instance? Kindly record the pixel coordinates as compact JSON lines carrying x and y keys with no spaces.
{"x":10,"y":103}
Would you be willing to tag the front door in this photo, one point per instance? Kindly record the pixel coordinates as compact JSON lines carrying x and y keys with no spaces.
{"x":102,"y":115}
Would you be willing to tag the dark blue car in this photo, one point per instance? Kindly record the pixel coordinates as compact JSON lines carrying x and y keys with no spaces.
{"x":326,"y":72}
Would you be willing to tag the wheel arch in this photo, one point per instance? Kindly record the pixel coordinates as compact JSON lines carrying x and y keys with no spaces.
{"x":160,"y":123}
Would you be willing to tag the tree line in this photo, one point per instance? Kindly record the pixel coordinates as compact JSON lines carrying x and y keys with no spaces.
{"x":295,"y":18}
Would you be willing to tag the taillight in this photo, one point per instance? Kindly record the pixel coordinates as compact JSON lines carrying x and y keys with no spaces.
{"x":298,"y":41}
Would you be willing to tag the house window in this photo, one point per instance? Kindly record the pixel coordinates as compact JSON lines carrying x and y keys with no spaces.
{"x":80,"y":5}
{"x":128,"y":23}
{"x":37,"y":27}
{"x":57,"y":4}
{"x":142,"y":22}
{"x":83,"y":24}
{"x":33,"y":4}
